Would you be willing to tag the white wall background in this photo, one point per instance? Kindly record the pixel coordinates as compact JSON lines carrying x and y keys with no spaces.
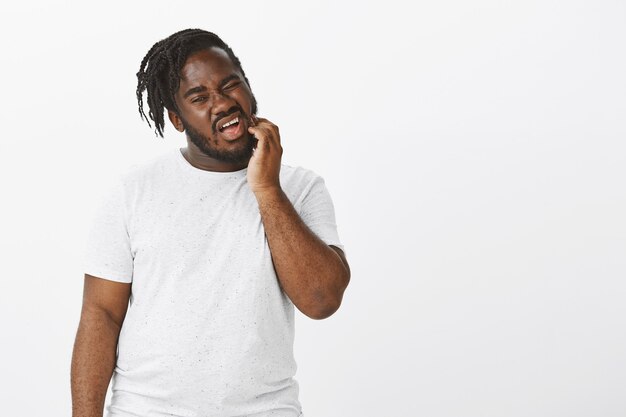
{"x":475,"y":151}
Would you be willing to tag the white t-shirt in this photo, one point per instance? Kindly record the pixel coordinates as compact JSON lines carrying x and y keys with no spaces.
{"x":208,"y":332}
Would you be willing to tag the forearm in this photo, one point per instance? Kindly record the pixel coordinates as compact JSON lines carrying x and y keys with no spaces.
{"x":93,"y":361}
{"x":310,"y":272}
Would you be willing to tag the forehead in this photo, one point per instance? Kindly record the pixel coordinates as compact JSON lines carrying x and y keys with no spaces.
{"x":207,"y":66}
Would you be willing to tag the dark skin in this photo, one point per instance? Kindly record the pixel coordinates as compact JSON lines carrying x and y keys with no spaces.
{"x":211,"y":85}
{"x":104,"y":307}
{"x":313,"y":274}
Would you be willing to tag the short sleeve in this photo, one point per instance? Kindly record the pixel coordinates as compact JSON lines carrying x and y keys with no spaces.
{"x":107,"y":251}
{"x":318,"y":213}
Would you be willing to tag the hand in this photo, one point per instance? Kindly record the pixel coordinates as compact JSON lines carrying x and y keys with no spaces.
{"x":264,"y":165}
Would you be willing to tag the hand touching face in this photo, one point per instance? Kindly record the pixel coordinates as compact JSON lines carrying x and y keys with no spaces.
{"x":264,"y":166}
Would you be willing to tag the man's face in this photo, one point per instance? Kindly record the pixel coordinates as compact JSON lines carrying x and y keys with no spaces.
{"x":213,"y":93}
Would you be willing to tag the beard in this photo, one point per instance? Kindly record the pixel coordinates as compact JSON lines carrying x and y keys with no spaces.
{"x":204,"y":144}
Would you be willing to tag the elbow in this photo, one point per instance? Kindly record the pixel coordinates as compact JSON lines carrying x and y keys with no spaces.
{"x":326,"y":304}
{"x":322,"y":313}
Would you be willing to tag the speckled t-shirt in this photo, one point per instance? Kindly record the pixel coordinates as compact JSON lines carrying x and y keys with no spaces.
{"x":208,"y":332}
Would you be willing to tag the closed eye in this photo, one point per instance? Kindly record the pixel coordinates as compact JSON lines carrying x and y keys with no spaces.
{"x":199,"y":99}
{"x":232,"y":85}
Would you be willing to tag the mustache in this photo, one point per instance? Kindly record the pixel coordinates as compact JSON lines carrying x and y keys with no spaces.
{"x":224,"y":114}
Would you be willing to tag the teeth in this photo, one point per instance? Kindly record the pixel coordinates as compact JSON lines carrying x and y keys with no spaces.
{"x":232,"y":122}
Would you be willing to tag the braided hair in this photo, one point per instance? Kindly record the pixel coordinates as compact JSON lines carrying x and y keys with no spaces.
{"x":159,"y":73}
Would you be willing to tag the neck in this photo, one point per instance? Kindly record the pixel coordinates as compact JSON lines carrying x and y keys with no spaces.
{"x":200,"y":160}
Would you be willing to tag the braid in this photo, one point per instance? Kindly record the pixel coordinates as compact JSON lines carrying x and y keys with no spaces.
{"x":159,"y":72}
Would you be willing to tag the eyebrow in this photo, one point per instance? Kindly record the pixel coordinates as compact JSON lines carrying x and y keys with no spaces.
{"x":202,"y":88}
{"x":228,"y":79}
{"x":194,"y":90}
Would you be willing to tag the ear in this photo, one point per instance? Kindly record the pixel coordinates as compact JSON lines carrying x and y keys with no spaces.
{"x":176,"y":121}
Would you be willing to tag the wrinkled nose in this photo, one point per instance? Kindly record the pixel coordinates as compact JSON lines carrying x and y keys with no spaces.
{"x":221,"y":106}
{"x":221,"y":103}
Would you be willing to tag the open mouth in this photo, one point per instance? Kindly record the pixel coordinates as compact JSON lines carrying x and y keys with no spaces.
{"x":232,"y":124}
{"x":231,"y":129}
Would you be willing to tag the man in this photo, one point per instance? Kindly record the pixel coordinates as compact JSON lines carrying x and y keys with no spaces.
{"x":213,"y":245}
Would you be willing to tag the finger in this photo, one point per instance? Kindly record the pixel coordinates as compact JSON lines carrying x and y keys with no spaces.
{"x":260,"y":121}
{"x":262,"y":136}
{"x":262,"y":132}
{"x":272,"y":129}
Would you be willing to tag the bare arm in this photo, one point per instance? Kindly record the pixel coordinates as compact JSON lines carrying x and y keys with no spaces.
{"x":313,"y":274}
{"x":93,"y":360}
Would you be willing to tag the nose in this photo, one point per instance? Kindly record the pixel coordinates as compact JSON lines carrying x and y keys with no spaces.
{"x":221,"y":106}
{"x":221,"y":103}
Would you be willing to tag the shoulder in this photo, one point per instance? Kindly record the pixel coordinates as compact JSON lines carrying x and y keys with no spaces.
{"x":148,"y":169}
{"x":302,"y":185}
{"x":298,"y":177}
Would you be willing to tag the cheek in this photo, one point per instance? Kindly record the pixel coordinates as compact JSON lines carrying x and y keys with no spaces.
{"x":198,"y":116}
{"x":244,"y":99}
